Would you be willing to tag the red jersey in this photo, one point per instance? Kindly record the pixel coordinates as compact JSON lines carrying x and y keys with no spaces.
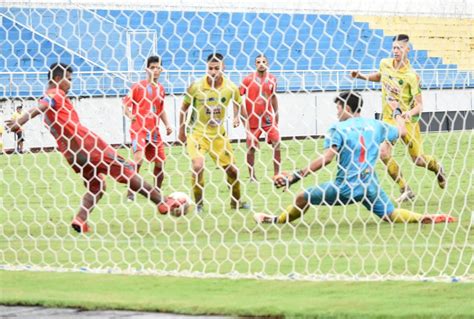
{"x":146,"y":100}
{"x":259,"y":92}
{"x":77,"y":143}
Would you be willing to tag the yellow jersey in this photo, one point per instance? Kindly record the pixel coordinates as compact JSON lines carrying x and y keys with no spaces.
{"x":402,"y":85}
{"x":209,"y":105}
{"x":16,"y":116}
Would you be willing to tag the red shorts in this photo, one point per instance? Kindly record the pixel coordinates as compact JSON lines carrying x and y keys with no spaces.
{"x":92,"y":166}
{"x":273,"y":135}
{"x":150,"y":144}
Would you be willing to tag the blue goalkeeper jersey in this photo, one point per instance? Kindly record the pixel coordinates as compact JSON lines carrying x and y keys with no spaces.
{"x":358,"y":141}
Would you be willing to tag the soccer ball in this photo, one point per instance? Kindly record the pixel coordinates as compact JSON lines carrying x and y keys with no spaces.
{"x":185,"y":205}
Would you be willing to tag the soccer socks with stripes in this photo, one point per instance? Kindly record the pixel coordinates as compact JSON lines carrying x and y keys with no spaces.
{"x":289,"y":214}
{"x":431,"y":163}
{"x":395,"y":173}
{"x":198,"y":187}
{"x":400,"y":215}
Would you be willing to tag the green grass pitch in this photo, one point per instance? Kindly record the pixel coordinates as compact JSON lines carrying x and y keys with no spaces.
{"x":40,"y":195}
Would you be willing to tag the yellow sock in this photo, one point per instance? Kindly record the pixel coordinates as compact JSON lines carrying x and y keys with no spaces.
{"x":198,"y":187}
{"x":290,"y":214}
{"x":235,"y":189}
{"x":431,"y":163}
{"x":395,"y":173}
{"x":400,"y":215}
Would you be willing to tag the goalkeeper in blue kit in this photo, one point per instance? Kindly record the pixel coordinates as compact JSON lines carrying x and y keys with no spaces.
{"x":355,"y":142}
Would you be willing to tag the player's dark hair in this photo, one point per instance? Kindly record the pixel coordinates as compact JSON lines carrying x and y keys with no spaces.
{"x":215,"y":57}
{"x":261,"y":55}
{"x":401,"y":37}
{"x":352,"y":99}
{"x":58,"y":69}
{"x":153,"y":59}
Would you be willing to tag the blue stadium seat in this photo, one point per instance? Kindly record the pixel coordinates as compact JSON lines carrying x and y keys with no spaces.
{"x":184,"y":39}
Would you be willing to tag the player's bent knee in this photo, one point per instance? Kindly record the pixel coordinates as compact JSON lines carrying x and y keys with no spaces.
{"x":198,"y":165}
{"x":418,"y":160}
{"x":96,"y":187}
{"x":231,"y":171}
{"x":385,"y":154}
{"x":301,"y":201}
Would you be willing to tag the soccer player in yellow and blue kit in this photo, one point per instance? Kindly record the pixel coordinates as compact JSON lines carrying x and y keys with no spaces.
{"x":401,"y":84}
{"x":355,"y":142}
{"x":209,"y":98}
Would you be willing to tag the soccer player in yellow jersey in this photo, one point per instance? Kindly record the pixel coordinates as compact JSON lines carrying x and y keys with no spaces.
{"x":400,"y":83}
{"x":209,"y":98}
{"x":19,"y":135}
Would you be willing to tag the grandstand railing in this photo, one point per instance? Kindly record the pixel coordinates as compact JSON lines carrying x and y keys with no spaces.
{"x":116,"y":83}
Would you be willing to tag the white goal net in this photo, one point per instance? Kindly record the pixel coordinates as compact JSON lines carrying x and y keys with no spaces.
{"x":311,"y":50}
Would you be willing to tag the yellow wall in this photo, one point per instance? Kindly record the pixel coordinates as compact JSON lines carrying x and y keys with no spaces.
{"x":451,"y":39}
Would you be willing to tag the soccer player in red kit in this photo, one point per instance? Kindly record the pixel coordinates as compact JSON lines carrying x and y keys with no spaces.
{"x":87,"y":153}
{"x":146,"y":99}
{"x":262,"y":109}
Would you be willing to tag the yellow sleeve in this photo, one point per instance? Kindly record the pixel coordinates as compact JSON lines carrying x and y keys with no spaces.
{"x":236,"y":95}
{"x":1,"y":129}
{"x":381,"y":66}
{"x":189,"y":95}
{"x":415,"y":84}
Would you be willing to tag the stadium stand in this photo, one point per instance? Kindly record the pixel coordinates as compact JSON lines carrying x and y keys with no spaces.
{"x":319,"y":47}
{"x":451,"y":39}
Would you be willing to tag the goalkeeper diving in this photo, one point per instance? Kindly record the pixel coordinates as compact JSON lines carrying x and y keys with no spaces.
{"x":355,"y":142}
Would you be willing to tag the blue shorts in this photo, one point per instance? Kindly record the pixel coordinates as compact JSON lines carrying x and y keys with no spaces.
{"x":371,"y":196}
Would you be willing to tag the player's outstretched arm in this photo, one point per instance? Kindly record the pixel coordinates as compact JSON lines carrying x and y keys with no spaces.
{"x":398,"y":116}
{"x":127,"y":113}
{"x":182,"y":121}
{"x":14,"y":125}
{"x":322,"y":161}
{"x":372,"y":77}
{"x":286,"y":180}
{"x":275,"y":108}
{"x":164,"y":118}
{"x":240,"y":114}
{"x":188,"y":99}
{"x":127,"y":103}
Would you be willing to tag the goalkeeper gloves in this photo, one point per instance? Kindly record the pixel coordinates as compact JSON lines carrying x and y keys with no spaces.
{"x":286,"y":181}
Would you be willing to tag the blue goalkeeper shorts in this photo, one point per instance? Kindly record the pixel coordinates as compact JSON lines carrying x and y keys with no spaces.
{"x":371,"y":196}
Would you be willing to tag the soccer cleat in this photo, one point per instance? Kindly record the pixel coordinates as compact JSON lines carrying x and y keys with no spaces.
{"x":79,"y":225}
{"x":406,"y":194}
{"x":441,"y":176}
{"x":131,"y":197}
{"x":199,"y":209}
{"x":168,"y":204}
{"x":242,"y":205}
{"x":253,"y":179}
{"x":262,"y":218}
{"x":437,"y":219}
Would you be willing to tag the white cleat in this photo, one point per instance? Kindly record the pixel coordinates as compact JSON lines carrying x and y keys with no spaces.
{"x":261,"y":218}
{"x":406,"y":194}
